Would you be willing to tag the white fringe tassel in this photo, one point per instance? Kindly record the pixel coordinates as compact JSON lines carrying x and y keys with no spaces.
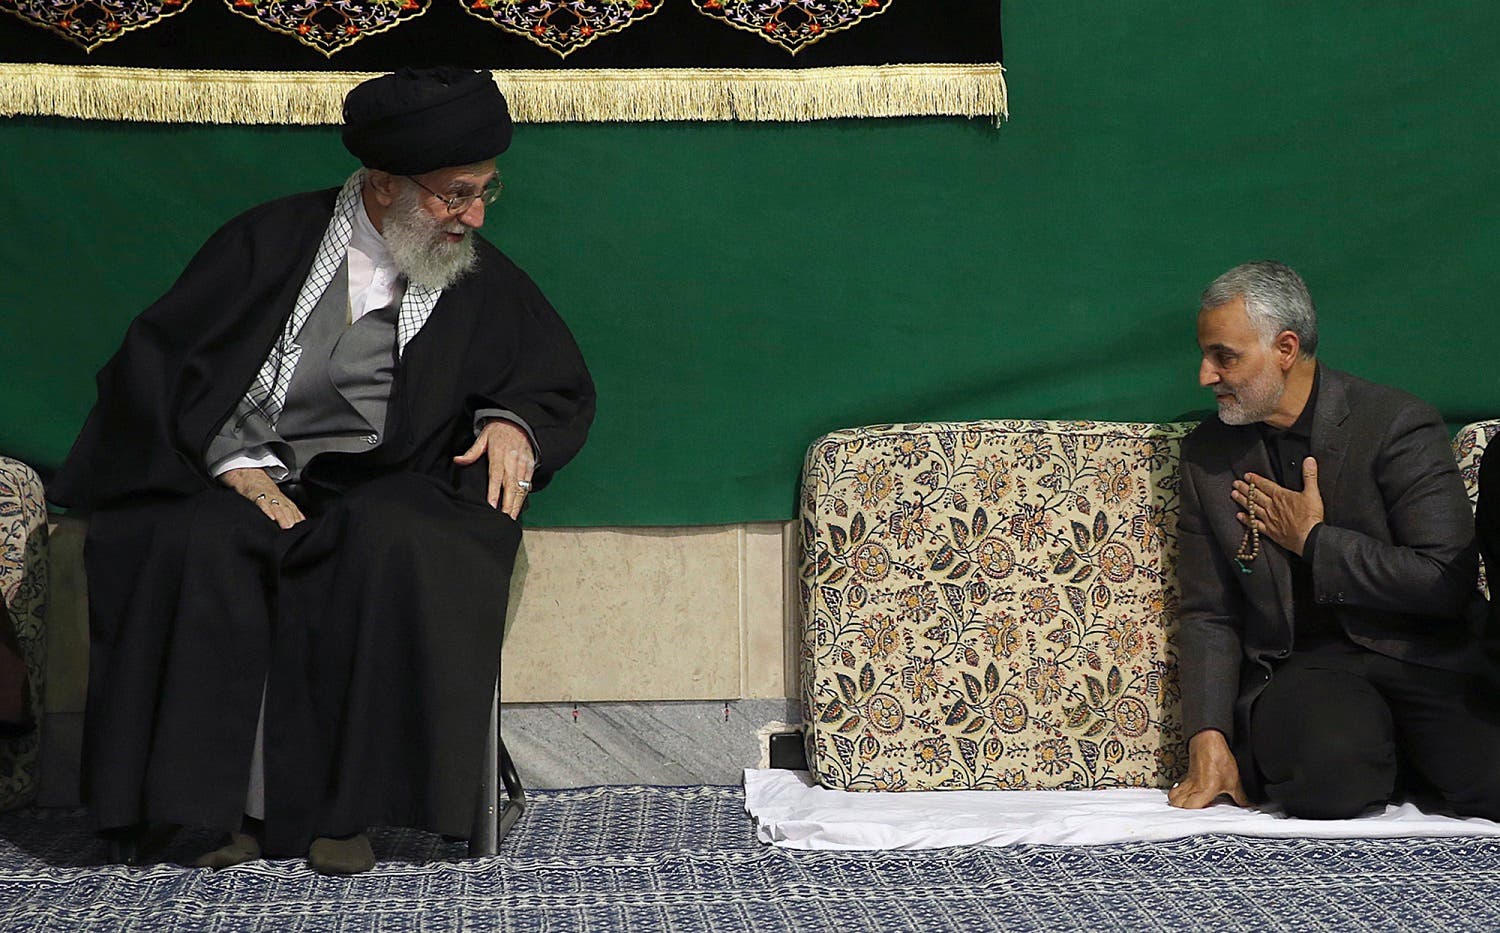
{"x":178,"y":96}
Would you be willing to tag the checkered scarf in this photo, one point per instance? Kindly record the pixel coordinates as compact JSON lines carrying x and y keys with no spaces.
{"x":267,"y":394}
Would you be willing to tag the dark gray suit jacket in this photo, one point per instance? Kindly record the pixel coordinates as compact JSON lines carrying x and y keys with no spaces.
{"x":1396,"y":561}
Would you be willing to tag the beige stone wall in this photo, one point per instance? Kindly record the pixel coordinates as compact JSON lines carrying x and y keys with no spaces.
{"x":597,"y":614}
{"x":649,"y":614}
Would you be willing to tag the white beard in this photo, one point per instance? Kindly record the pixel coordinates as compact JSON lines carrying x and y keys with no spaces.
{"x":417,"y":244}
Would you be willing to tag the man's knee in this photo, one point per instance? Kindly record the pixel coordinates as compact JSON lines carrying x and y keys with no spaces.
{"x":1482,"y":800}
{"x":1468,"y":782}
{"x":1324,"y":740}
{"x":1336,"y":777}
{"x":1327,"y":798}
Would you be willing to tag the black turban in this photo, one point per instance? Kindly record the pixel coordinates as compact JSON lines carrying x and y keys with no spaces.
{"x":419,"y":120}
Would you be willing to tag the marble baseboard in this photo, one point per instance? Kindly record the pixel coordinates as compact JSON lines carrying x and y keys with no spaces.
{"x":669,"y":743}
{"x":607,"y":743}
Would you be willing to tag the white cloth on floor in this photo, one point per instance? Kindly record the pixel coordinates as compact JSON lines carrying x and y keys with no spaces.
{"x":792,"y":811}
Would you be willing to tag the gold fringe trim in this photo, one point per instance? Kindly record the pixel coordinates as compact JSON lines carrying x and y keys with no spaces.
{"x":178,"y":96}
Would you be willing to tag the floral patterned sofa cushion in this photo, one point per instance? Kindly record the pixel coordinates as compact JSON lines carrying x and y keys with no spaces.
{"x":23,"y":586}
{"x":1468,"y":446}
{"x":990,"y":605}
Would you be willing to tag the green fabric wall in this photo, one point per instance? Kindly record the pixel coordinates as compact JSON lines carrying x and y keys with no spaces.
{"x":740,"y":289}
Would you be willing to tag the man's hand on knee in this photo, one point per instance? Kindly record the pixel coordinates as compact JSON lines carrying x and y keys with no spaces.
{"x":510,"y":460}
{"x":1212,"y":773}
{"x":256,"y":485}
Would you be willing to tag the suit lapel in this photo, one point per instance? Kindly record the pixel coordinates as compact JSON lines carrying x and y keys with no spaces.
{"x":1329,"y":440}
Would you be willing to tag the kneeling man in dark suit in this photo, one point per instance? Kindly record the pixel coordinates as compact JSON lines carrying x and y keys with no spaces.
{"x":1329,"y":641}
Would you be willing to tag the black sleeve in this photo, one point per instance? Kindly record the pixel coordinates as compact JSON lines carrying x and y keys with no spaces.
{"x":1209,"y":646}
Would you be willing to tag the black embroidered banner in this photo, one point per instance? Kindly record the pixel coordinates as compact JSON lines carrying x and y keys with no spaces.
{"x":290,"y":61}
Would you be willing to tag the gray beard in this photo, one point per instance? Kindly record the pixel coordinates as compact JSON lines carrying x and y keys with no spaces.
{"x":1255,"y":401}
{"x":418,"y":249}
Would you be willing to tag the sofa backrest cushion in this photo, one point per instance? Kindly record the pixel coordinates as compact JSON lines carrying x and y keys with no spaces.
{"x":991,"y":605}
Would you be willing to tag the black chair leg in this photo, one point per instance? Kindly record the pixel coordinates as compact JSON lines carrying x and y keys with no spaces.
{"x":125,"y":843}
{"x":124,"y":850}
{"x":494,"y":818}
{"x":515,"y":794}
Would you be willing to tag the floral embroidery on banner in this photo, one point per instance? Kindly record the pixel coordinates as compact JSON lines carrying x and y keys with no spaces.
{"x":564,"y":26}
{"x":328,"y":25}
{"x":91,"y":23}
{"x":792,"y":24}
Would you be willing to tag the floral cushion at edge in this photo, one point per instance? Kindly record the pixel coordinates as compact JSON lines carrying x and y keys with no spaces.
{"x":1468,"y":446}
{"x":990,"y":605}
{"x":23,"y":586}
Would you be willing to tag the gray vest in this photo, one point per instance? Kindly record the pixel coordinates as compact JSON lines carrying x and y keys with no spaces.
{"x":339,"y":394}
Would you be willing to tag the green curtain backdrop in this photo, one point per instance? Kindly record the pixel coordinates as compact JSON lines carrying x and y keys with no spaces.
{"x":741,"y":289}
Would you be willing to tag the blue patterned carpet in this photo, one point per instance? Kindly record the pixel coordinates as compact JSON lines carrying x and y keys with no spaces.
{"x":686,"y":859}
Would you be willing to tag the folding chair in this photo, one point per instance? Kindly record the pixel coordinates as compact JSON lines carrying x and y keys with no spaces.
{"x":494,"y":817}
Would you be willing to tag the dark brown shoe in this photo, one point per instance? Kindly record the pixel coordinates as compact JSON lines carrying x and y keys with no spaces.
{"x":241,"y":848}
{"x":341,"y":856}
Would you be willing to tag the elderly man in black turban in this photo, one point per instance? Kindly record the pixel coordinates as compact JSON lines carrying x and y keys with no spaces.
{"x":305,"y":471}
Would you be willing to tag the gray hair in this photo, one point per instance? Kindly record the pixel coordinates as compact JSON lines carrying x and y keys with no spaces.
{"x":1276,"y":299}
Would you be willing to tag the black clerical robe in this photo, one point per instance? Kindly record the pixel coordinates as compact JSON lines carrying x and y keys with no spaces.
{"x":373,"y":627}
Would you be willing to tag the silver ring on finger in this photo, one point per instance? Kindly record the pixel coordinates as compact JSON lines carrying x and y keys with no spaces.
{"x":275,"y":501}
{"x":524,"y":485}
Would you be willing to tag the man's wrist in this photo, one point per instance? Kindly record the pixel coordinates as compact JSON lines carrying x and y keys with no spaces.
{"x":1209,"y":754}
{"x":244,"y":479}
{"x":1310,"y":541}
{"x":1208,"y":742}
{"x":484,"y":417}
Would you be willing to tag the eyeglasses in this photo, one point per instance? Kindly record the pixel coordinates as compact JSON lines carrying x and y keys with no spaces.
{"x":459,"y":203}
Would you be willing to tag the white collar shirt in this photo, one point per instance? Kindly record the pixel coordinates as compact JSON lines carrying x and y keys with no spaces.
{"x":374,"y":281}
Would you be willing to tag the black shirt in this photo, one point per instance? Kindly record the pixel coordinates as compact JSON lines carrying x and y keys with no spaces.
{"x":1287,"y":448}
